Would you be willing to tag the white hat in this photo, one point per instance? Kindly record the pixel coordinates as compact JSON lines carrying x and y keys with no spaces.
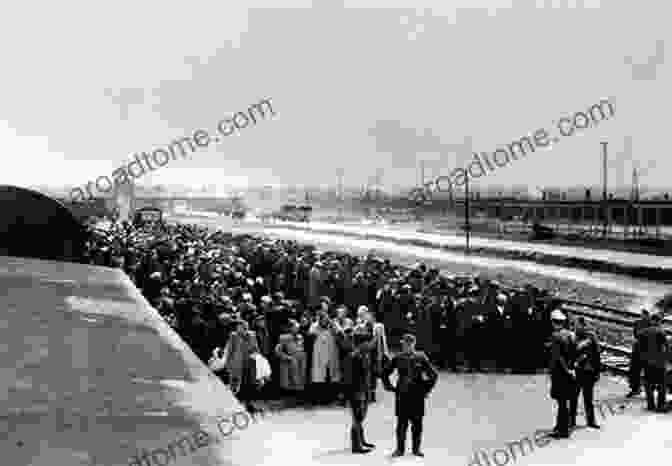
{"x":558,"y":315}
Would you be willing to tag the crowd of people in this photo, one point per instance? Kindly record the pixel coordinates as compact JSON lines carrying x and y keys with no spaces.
{"x":293,"y":304}
{"x":278,"y":319}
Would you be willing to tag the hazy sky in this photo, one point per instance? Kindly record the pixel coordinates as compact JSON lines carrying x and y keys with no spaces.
{"x":360,"y":85}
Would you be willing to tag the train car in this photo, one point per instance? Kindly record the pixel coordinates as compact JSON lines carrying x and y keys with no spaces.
{"x":147,"y":215}
{"x":304,"y":213}
{"x":238,"y":214}
{"x":294,"y":213}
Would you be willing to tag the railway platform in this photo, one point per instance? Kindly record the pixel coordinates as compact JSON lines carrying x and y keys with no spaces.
{"x":472,"y":420}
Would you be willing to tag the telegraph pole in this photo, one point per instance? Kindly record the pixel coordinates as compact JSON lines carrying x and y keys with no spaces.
{"x":339,"y":174}
{"x":635,"y":201}
{"x":422,"y":173}
{"x":466,"y":209}
{"x":379,"y":182}
{"x":605,"y":201}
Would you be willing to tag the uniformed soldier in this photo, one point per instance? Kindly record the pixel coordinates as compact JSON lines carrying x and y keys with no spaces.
{"x":416,"y":378}
{"x":358,"y":374}
{"x":654,"y":359}
{"x":634,"y":376}
{"x":563,"y":377}
{"x":588,"y":367}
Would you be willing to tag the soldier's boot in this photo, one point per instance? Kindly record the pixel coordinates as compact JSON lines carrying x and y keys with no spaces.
{"x":650,"y":401}
{"x":364,"y":442}
{"x":356,"y":440}
{"x":401,"y":443}
{"x":661,"y":405}
{"x":416,"y":433}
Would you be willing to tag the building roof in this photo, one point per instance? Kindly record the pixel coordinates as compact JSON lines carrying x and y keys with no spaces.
{"x":90,"y":373}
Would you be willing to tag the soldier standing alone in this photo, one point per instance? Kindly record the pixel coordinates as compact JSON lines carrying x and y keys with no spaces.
{"x":416,"y":379}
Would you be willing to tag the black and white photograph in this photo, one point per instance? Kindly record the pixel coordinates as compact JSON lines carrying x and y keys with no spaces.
{"x":335,"y":233}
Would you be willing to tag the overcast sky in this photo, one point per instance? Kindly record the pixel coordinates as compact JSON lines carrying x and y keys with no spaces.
{"x":360,"y":85}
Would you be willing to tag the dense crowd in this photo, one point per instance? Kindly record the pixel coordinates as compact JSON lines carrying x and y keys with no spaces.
{"x":234,"y":297}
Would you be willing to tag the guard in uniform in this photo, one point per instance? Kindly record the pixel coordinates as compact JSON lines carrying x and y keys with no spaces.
{"x":416,"y":378}
{"x":357,"y":375}
{"x":654,"y":358}
{"x":563,"y":377}
{"x":588,"y":367}
{"x":634,"y":376}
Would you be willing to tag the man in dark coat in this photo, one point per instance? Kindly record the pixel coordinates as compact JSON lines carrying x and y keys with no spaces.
{"x":448,"y":334}
{"x":588,"y":366}
{"x":428,"y":325}
{"x":563,"y":377}
{"x":654,"y":359}
{"x":416,"y":379}
{"x":634,"y":375}
{"x":357,"y":381}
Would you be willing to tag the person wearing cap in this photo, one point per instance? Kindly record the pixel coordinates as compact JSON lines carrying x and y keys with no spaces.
{"x":357,"y":380}
{"x":416,"y":378}
{"x":314,"y":288}
{"x":588,"y":367}
{"x":563,"y":376}
{"x":404,"y":303}
{"x":654,"y":349}
{"x":634,"y":374}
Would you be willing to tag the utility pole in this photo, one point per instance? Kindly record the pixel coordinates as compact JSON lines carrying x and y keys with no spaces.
{"x":466,"y":209}
{"x":605,"y":201}
{"x":635,"y":201}
{"x":339,"y":174}
{"x":379,"y":177}
{"x":422,"y":173}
